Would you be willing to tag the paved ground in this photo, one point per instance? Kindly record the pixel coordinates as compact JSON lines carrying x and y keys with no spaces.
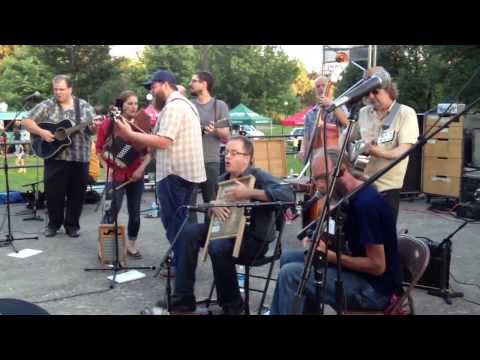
{"x":54,"y":278}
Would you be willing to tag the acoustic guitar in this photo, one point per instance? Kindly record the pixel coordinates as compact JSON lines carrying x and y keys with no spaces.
{"x":62,"y":132}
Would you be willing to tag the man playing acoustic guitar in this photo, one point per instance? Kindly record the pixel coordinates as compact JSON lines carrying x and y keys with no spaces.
{"x":66,"y":173}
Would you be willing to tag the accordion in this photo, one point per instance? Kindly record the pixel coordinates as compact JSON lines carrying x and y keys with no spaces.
{"x":120,"y":153}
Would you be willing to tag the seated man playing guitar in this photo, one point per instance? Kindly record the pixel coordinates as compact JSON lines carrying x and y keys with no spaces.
{"x":66,"y":172}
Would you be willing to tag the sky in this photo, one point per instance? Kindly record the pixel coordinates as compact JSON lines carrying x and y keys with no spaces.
{"x":310,"y":55}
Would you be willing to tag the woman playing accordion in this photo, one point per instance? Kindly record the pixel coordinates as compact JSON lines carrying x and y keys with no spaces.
{"x":126,"y":163}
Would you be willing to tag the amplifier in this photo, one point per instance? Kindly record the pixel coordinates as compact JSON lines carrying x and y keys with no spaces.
{"x":439,"y":262}
{"x":469,"y":211}
{"x":470,"y":183}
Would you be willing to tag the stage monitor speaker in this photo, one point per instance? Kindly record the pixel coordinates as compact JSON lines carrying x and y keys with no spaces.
{"x":439,"y":261}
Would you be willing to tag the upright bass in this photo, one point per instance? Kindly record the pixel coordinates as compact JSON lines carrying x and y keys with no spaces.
{"x":325,"y":135}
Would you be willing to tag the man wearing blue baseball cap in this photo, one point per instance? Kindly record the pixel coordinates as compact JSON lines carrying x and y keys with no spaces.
{"x":177,"y":138}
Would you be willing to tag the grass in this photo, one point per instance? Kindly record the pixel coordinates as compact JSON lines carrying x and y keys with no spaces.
{"x":16,"y":180}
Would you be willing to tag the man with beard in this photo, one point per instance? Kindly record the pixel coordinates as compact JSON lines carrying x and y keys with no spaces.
{"x":177,"y":138}
{"x":371,"y":273}
{"x":215,"y":129}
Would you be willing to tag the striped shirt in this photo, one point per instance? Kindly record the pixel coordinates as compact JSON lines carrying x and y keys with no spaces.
{"x":179,"y":121}
{"x":49,"y":111}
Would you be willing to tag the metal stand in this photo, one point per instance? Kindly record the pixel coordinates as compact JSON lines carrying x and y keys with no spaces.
{"x":9,"y":239}
{"x":167,"y":262}
{"x":444,"y":292}
{"x":34,"y":216}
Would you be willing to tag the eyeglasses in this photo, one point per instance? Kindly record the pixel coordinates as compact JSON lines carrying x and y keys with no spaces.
{"x":323,"y":176}
{"x":234,"y":153}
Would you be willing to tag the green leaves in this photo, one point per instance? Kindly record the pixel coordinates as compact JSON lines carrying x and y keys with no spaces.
{"x":427,"y":74}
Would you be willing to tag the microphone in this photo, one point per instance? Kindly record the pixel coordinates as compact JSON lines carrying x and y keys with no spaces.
{"x":201,"y":209}
{"x":377,"y":80}
{"x":309,"y":203}
{"x":34,"y":95}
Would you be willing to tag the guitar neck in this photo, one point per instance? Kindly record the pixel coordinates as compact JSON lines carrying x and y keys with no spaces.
{"x":78,"y":127}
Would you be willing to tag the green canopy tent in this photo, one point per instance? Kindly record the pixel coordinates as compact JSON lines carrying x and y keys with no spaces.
{"x":242,"y":115}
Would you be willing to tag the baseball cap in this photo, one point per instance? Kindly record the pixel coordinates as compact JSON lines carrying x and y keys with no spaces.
{"x":161,"y":76}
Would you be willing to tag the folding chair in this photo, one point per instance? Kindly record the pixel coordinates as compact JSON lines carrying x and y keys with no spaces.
{"x":414,"y":258}
{"x":270,"y":257}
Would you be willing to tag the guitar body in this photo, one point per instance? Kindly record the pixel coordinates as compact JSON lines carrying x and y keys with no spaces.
{"x":47,"y":150}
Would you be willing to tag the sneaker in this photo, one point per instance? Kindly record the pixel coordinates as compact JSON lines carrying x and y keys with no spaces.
{"x":72,"y":233}
{"x":238,"y":309}
{"x":50,"y":232}
{"x":179,"y":304}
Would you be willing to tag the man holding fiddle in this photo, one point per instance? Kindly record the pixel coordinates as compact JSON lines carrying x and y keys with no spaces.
{"x":371,"y":273}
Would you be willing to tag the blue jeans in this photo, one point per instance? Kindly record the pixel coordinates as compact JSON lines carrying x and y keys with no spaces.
{"x":192,"y":239}
{"x":359,"y":293}
{"x":173,"y":192}
{"x":134,"y":193}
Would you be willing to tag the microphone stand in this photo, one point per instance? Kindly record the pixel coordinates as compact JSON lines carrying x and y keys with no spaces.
{"x":116,"y":263}
{"x":9,"y":238}
{"x":422,"y":140}
{"x":444,"y":292}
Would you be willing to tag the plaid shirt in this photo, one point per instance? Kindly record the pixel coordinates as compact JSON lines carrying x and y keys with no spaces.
{"x":49,"y":111}
{"x":179,"y":121}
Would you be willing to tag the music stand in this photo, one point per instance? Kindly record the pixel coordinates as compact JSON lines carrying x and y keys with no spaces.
{"x":116,"y":266}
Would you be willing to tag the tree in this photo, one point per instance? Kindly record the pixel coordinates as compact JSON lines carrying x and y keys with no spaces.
{"x":181,"y":60}
{"x":22,"y":74}
{"x":303,"y":87}
{"x":6,"y":50}
{"x":88,"y":65}
{"x":129,"y":75}
{"x":203,"y":52}
{"x":258,"y":76}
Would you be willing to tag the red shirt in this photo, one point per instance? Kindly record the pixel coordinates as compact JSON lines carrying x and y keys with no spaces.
{"x":121,"y":174}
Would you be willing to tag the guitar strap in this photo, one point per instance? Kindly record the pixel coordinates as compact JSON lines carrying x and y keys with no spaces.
{"x":77,"y":110}
{"x":391,"y":116}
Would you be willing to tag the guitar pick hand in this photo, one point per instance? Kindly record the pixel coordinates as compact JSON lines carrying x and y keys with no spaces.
{"x":47,"y":136}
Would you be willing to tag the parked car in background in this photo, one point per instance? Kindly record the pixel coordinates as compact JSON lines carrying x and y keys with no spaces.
{"x":247,"y":130}
{"x":296,"y":136}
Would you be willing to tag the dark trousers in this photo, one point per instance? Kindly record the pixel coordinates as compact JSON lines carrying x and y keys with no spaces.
{"x":65,"y":186}
{"x":192,"y":239}
{"x":173,"y":192}
{"x":134,"y":193}
{"x":393,"y":199}
{"x":208,"y":188}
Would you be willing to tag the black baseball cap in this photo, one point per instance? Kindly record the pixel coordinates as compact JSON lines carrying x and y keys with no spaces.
{"x":160,"y":76}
